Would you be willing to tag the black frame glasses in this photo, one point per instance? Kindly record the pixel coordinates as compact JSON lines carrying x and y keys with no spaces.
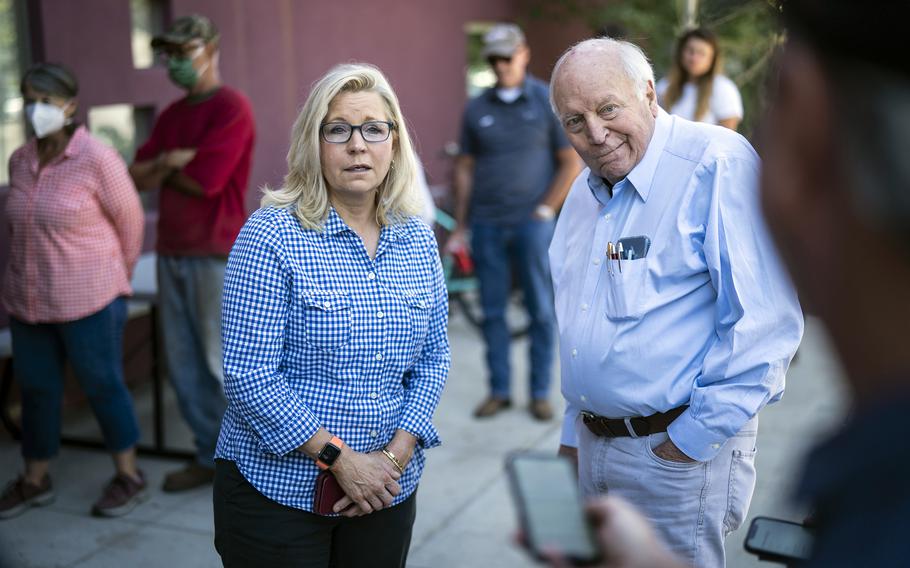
{"x":494,"y":59}
{"x":367,"y":135}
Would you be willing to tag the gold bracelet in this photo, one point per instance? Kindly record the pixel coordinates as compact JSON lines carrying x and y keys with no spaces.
{"x":393,"y":459}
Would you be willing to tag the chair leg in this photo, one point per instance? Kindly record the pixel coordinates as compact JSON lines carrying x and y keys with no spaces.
{"x":6,"y":385}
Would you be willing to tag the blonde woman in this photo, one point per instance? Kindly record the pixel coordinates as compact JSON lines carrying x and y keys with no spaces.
{"x":695,"y":88}
{"x":335,"y":346}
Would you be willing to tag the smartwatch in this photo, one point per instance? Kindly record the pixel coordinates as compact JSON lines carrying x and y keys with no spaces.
{"x":329,"y":453}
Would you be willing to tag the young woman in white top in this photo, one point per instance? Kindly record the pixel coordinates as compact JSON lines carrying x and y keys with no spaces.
{"x":695,"y":89}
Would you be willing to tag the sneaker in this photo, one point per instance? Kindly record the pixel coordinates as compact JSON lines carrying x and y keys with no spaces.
{"x":491,"y":407}
{"x":19,"y":495}
{"x":121,"y":495}
{"x":192,"y":476}
{"x":541,"y":410}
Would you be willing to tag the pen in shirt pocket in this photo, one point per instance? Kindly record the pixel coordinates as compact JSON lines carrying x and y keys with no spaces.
{"x":610,"y":256}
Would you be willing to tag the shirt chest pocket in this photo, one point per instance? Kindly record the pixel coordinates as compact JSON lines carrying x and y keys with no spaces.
{"x":418,"y":314}
{"x":626,"y":289}
{"x":327,"y":320}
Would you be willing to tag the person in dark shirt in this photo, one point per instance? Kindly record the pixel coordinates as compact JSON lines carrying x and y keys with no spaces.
{"x":511,"y":177}
{"x":199,"y":154}
{"x":836,"y":194}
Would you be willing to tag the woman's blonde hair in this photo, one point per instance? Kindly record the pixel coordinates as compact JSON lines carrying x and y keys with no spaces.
{"x":305,"y":191}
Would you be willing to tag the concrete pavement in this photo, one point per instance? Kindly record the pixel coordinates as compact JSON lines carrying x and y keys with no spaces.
{"x":465,"y":516}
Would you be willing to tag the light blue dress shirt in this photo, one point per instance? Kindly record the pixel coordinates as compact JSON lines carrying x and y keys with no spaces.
{"x":708,"y":318}
{"x":318,"y":334}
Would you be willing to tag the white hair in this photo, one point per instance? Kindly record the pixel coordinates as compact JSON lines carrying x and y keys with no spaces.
{"x":633,"y":59}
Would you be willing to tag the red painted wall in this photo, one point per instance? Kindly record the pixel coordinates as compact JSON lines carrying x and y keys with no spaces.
{"x":272,"y":50}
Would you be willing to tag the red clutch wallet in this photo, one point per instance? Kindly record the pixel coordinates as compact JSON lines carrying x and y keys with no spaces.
{"x":328,"y":492}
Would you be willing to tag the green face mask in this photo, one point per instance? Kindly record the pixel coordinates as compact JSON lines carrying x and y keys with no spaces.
{"x":181,"y":72}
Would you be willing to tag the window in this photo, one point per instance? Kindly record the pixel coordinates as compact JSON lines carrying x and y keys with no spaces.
{"x":13,"y":58}
{"x":147,"y":21}
{"x":478,"y":75}
{"x":123,"y":126}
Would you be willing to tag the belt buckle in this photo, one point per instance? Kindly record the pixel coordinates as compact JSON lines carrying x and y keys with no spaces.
{"x":587,"y":416}
{"x":640,"y":423}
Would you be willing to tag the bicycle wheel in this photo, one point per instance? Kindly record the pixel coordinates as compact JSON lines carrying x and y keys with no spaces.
{"x":468,"y":303}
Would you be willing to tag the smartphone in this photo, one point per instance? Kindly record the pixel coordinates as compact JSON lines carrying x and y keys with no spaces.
{"x":779,"y":540}
{"x":635,"y":247}
{"x":550,"y":512}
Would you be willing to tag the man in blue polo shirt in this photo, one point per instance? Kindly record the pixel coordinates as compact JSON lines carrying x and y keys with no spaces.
{"x":511,"y":177}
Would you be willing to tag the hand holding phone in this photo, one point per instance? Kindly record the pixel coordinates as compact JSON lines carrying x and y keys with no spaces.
{"x":779,"y":540}
{"x":545,"y":490}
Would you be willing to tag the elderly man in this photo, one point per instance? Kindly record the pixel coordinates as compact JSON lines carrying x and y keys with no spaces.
{"x":510,"y":179}
{"x":677,"y":324}
{"x":835,"y":187}
{"x":199,"y":154}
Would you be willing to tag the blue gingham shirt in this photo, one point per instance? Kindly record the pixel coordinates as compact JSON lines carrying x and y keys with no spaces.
{"x":707,"y":318}
{"x":318,"y":334}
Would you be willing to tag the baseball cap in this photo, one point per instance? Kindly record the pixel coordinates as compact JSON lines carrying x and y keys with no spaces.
{"x":185,"y":29}
{"x":502,"y":40}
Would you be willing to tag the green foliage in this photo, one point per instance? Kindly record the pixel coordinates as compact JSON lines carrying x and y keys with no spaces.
{"x":748,"y":32}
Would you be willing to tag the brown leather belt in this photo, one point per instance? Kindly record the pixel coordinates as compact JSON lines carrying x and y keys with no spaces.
{"x":635,"y":427}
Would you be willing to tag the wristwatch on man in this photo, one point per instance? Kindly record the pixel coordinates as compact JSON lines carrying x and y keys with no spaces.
{"x":329,"y":453}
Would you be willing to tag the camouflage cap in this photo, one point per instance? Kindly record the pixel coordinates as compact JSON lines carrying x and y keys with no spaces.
{"x":185,"y":29}
{"x":502,"y":40}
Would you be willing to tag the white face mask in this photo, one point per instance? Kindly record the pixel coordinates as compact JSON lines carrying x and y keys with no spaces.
{"x":45,"y":118}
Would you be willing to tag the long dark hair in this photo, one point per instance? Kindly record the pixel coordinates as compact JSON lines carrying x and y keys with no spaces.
{"x":53,"y":79}
{"x":678,"y":76}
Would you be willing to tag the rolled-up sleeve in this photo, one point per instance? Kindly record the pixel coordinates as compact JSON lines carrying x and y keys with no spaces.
{"x":758,"y":320}
{"x":424,"y":382}
{"x":254,"y":317}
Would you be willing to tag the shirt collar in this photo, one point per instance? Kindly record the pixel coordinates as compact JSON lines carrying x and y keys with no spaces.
{"x":525,"y":91}
{"x":334,"y":224}
{"x":76,"y":143}
{"x":642,"y":174}
{"x":73,"y":148}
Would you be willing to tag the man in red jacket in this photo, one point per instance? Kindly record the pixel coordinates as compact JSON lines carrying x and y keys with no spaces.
{"x":199,"y":154}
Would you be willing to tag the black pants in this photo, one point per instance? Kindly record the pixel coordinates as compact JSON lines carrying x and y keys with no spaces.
{"x":252,"y":530}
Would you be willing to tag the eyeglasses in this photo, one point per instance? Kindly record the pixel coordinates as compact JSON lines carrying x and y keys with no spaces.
{"x":493,"y":60}
{"x":372,"y":131}
{"x":186,"y":51}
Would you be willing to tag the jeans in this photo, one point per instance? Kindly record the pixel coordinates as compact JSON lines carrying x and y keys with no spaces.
{"x":189,"y":297}
{"x":496,"y":249}
{"x":93,"y":346}
{"x":693,"y":506}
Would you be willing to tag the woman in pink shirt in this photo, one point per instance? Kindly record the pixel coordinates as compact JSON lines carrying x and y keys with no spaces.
{"x":76,"y":232}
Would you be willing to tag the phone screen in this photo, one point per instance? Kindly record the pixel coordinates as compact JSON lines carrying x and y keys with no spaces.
{"x":546,"y":488}
{"x":779,"y":538}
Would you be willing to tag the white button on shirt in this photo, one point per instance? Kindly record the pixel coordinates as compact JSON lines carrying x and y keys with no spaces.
{"x":707,"y":318}
{"x":300,"y":329}
{"x":371,"y":276}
